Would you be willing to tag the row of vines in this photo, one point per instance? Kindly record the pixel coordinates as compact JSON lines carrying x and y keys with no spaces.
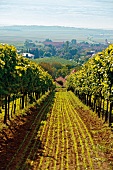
{"x":93,"y":83}
{"x":21,"y":80}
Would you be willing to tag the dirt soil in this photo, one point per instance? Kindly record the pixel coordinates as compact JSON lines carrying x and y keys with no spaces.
{"x":62,"y":136}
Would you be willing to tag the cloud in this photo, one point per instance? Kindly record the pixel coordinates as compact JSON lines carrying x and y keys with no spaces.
{"x":62,"y":12}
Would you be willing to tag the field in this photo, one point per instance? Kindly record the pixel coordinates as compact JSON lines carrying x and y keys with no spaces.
{"x":18,"y":34}
{"x":62,"y":135}
{"x":55,"y":59}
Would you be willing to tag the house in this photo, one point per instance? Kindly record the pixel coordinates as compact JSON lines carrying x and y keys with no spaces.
{"x":90,"y":53}
{"x":61,"y":81}
{"x":55,"y":44}
{"x":28,"y":55}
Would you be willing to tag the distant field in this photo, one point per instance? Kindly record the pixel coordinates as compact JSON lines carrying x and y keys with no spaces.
{"x":18,"y":34}
{"x":55,"y":59}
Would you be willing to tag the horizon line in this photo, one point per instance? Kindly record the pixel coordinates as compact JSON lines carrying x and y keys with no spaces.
{"x":27,"y":25}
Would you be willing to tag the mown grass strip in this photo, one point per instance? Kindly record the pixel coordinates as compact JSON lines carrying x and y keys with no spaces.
{"x":74,"y":119}
{"x":73,"y":138}
{"x":79,"y":137}
{"x":72,"y":99}
{"x":69,"y":110}
{"x":62,"y":165}
{"x":66,"y":140}
{"x":58,"y":106}
{"x":85,"y":144}
{"x":48,"y":142}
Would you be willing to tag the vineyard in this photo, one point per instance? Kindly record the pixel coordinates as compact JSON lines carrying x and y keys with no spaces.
{"x":46,"y":130}
{"x":62,"y":134}
{"x":93,"y":84}
{"x":22,"y":82}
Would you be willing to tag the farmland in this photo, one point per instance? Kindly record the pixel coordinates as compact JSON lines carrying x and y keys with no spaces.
{"x":18,"y":34}
{"x":55,"y":59}
{"x":62,"y":134}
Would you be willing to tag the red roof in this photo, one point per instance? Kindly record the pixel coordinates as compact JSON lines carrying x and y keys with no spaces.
{"x":61,"y":79}
{"x":56,"y":44}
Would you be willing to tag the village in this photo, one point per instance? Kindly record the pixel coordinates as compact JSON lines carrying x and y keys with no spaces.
{"x":71,"y":50}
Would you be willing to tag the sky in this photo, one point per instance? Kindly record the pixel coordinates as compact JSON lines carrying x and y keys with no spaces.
{"x":70,"y":13}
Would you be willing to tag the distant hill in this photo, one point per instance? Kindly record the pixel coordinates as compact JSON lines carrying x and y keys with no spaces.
{"x":14,"y":34}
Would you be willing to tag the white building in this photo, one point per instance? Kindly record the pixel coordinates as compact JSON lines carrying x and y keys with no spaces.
{"x":28,"y":55}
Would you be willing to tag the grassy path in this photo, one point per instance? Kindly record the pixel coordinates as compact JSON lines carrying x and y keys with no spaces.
{"x":67,"y":143}
{"x":62,"y":141}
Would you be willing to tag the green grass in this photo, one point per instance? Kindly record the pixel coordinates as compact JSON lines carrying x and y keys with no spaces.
{"x":55,"y":59}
